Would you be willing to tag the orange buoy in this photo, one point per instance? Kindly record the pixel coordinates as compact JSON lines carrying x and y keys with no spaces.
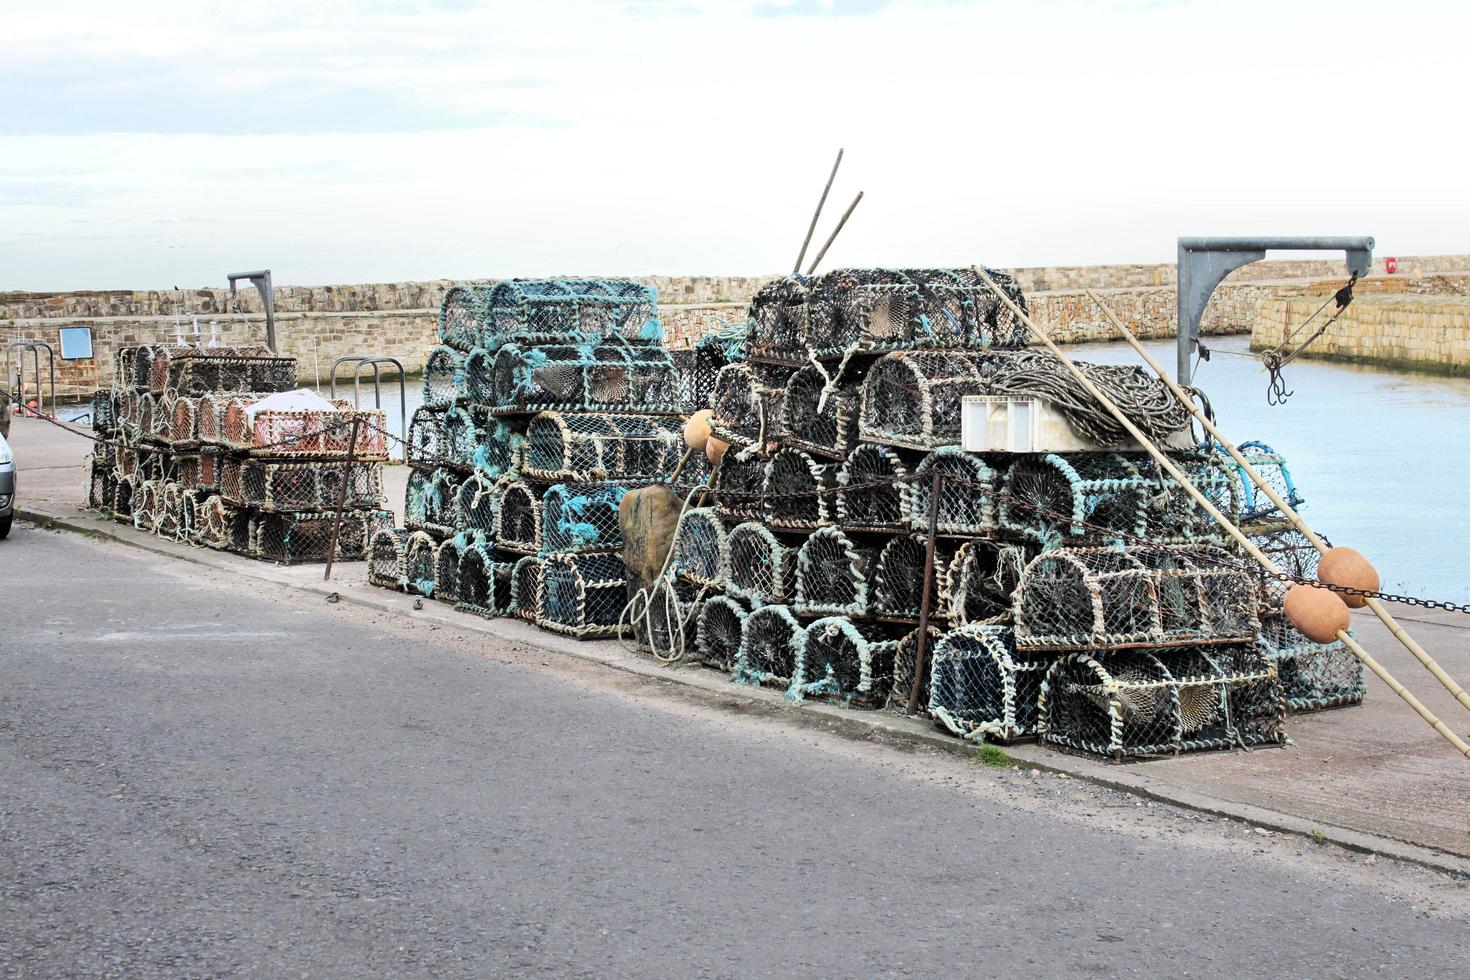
{"x":1348,"y":569}
{"x":697,"y":429}
{"x":714,"y":448}
{"x":1318,"y":613}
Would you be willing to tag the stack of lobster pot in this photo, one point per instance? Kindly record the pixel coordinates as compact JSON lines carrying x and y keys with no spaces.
{"x":183,"y":452}
{"x":544,"y":403}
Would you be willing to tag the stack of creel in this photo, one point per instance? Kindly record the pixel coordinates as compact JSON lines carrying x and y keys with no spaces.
{"x":544,"y":403}
{"x":810,"y":568}
{"x":181,"y":454}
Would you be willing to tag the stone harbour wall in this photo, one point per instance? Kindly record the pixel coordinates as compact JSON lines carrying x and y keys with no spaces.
{"x":1424,"y":331}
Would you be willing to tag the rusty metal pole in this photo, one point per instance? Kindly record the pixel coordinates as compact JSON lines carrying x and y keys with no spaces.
{"x":921,"y":652}
{"x":342,"y":493}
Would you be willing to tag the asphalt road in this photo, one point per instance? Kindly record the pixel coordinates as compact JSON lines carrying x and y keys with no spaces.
{"x":206,"y":777}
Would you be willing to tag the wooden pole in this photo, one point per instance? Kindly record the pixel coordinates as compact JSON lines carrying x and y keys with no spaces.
{"x":921,"y":651}
{"x":342,"y":494}
{"x":1384,"y":616}
{"x":1169,"y":466}
{"x":833,"y":237}
{"x":815,"y":215}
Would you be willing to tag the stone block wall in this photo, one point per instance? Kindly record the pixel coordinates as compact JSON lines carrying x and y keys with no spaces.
{"x":1425,"y":331}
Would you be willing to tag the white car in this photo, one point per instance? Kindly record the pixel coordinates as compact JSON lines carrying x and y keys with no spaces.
{"x":7,"y":487}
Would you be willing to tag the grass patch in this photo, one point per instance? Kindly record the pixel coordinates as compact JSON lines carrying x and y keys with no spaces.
{"x":1318,"y":837}
{"x":993,"y":756}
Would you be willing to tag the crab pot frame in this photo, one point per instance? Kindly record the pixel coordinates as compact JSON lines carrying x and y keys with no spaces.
{"x":578,"y":377}
{"x":701,"y":548}
{"x":744,"y":411}
{"x":832,"y":575}
{"x":463,"y":315}
{"x":446,"y":568}
{"x":982,"y":688}
{"x":770,"y":648}
{"x":1313,"y":676}
{"x":299,"y":486}
{"x":420,"y":562}
{"x":183,"y":427}
{"x":318,"y":434}
{"x":587,"y":448}
{"x":445,"y":380}
{"x":822,"y":422}
{"x":905,"y":656}
{"x":873,"y":490}
{"x":202,"y":374}
{"x":581,"y":519}
{"x":466,"y":430}
{"x":719,"y":628}
{"x":296,"y":538}
{"x":797,"y":491}
{"x":898,"y":578}
{"x":581,"y":595}
{"x":388,"y":558}
{"x":426,"y":439}
{"x":980,"y":582}
{"x":759,"y":567}
{"x":1171,"y":513}
{"x":1080,"y":498}
{"x":500,"y":452}
{"x":518,"y":518}
{"x":484,"y":583}
{"x":966,"y":494}
{"x":105,"y":409}
{"x":217,"y":523}
{"x":1116,"y":598}
{"x":842,"y":662}
{"x":475,"y":505}
{"x":550,"y":311}
{"x":912,"y":398}
{"x":1141,"y":703}
{"x":525,"y":587}
{"x":738,"y":487}
{"x":1255,"y":505}
{"x":430,"y":501}
{"x":777,"y":324}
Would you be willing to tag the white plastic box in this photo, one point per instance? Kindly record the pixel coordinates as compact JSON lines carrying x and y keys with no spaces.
{"x":1012,"y":424}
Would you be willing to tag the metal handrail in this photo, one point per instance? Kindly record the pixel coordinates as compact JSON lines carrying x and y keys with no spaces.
{"x":359,"y":361}
{"x":35,"y":347}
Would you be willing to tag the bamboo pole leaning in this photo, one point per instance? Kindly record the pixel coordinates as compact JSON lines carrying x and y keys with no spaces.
{"x":1399,"y":633}
{"x":1183,"y":480}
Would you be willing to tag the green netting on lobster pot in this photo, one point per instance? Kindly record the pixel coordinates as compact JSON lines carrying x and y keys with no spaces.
{"x":1173,"y":516}
{"x":446,"y":568}
{"x":500,"y":453}
{"x":479,"y":372}
{"x":475,"y":505}
{"x":439,"y":497}
{"x":1256,"y":506}
{"x":845,"y":663}
{"x":581,"y":519}
{"x":718,"y":629}
{"x":541,"y":311}
{"x":388,"y":558}
{"x":582,"y":595}
{"x":421,"y":562}
{"x":465,"y":431}
{"x":760,"y":568}
{"x":473,"y":581}
{"x":589,"y":447}
{"x":982,"y":689}
{"x":445,"y":382}
{"x":291,"y":538}
{"x":593,"y":377}
{"x":770,"y":645}
{"x":463,"y":317}
{"x":1313,"y":676}
{"x":518,"y":517}
{"x":980,"y":582}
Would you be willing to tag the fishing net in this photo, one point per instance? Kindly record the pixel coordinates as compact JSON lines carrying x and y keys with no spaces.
{"x":770,"y":644}
{"x":966,"y":505}
{"x":549,"y":311}
{"x":525,"y":587}
{"x":582,"y":595}
{"x":186,"y":471}
{"x":898,"y":578}
{"x":1141,"y":703}
{"x":981,"y":580}
{"x":719,"y":626}
{"x":587,"y":448}
{"x":475,"y":505}
{"x":146,"y":504}
{"x":873,"y":490}
{"x":662,"y":619}
{"x":446,"y":568}
{"x":445,"y":382}
{"x":426,"y":438}
{"x":465,"y":432}
{"x":581,"y":519}
{"x":1313,"y":676}
{"x":797,"y":491}
{"x":209,"y":419}
{"x":591,"y":377}
{"x":500,"y":452}
{"x":760,"y":568}
{"x":183,"y":430}
{"x":292,"y":538}
{"x":832,"y":575}
{"x":912,"y":398}
{"x":388,"y":557}
{"x":429,"y":501}
{"x":463,"y":316}
{"x":105,"y":408}
{"x":518,"y":517}
{"x":738,"y":487}
{"x":816,"y":418}
{"x":1172,"y":514}
{"x":211,"y":468}
{"x":845,"y":663}
{"x":485,"y":584}
{"x":699,"y":369}
{"x":420,"y":563}
{"x":746,"y":411}
{"x":1096,"y":498}
{"x":1289,"y":550}
{"x":701,"y":548}
{"x":1114,"y":598}
{"x":777,"y":320}
{"x":983,"y":689}
{"x":905,"y":658}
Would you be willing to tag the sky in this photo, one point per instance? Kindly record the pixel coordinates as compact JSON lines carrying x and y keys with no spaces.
{"x":148,"y":145}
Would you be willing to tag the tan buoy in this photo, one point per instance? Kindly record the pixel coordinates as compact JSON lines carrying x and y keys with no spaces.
{"x":714,"y":448}
{"x":1348,"y":569}
{"x":697,"y":429}
{"x":1317,"y":612}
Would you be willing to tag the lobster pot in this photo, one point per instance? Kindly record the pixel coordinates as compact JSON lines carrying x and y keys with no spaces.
{"x":905,"y":309}
{"x":980,"y":582}
{"x":500,"y":451}
{"x":475,"y":505}
{"x":1140,"y":703}
{"x":429,"y":502}
{"x":198,"y":375}
{"x":123,"y":499}
{"x":211,"y":468}
{"x":319,"y":434}
{"x":479,"y":374}
{"x":388,"y":558}
{"x":661,"y":620}
{"x":548,"y":311}
{"x":104,"y":410}
{"x":606,"y":377}
{"x":719,"y":626}
{"x":777,"y":323}
{"x":427,"y":441}
{"x":302,"y":486}
{"x":898,"y":578}
{"x":694,"y":373}
{"x":746,"y":404}
{"x":905,"y":658}
{"x":770,"y":645}
{"x":463,"y":316}
{"x":1114,"y":598}
{"x":701,"y":548}
{"x":146,"y":504}
{"x":1289,"y":550}
{"x":873,"y":490}
{"x":446,"y":568}
{"x":101,"y":484}
{"x":166,"y":516}
{"x":465,"y":431}
{"x":843,"y":662}
{"x":232,"y":480}
{"x":421,"y":563}
{"x":588,"y":448}
{"x":518,"y":518}
{"x":1173,"y":516}
{"x":184,"y":427}
{"x":738,"y":486}
{"x":1097,"y":498}
{"x":218,"y":524}
{"x":759,"y":568}
{"x":525,"y":586}
{"x":912,"y":399}
{"x":581,"y":519}
{"x":291,"y":538}
{"x":186,"y":471}
{"x":472,"y":578}
{"x":832,"y":575}
{"x":445,"y":382}
{"x":209,"y":419}
{"x":582,"y":595}
{"x":1313,"y":676}
{"x":982,"y":688}
{"x":798,"y":491}
{"x":824,"y":423}
{"x":1256,"y":507}
{"x":162,"y":420}
{"x":143,"y":414}
{"x":966,"y":505}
